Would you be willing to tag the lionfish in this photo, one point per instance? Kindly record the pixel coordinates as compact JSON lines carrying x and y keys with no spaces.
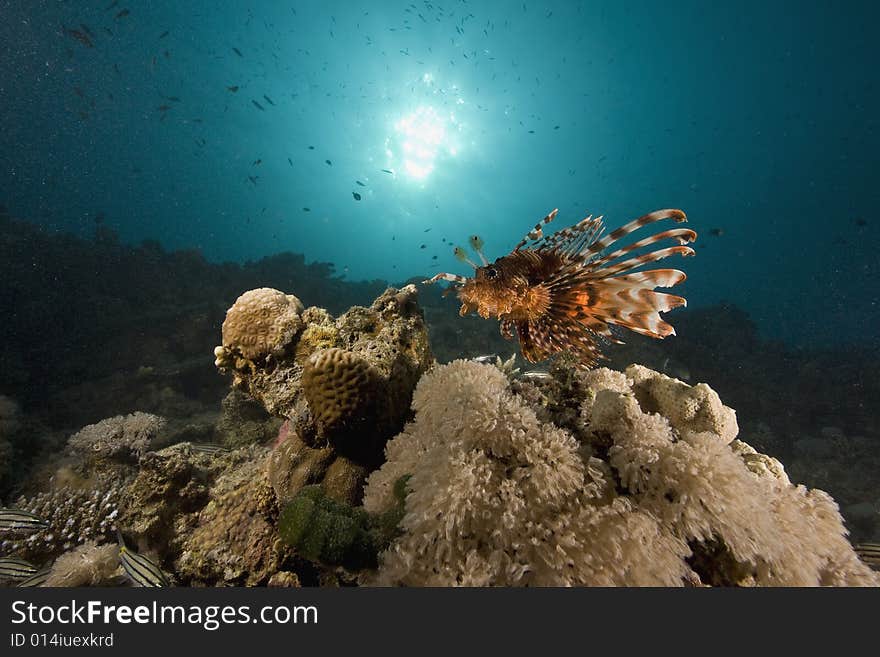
{"x":559,"y":292}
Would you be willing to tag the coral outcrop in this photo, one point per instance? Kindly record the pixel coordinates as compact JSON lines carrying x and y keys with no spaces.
{"x":498,"y":497}
{"x":326,"y":374}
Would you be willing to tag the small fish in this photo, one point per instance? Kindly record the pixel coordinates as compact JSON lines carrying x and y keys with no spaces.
{"x":82,"y":37}
{"x":173,"y":99}
{"x":122,"y":14}
{"x":253,"y":180}
{"x":307,"y":209}
{"x":564,"y":291}
{"x":141,"y":570}
{"x":111,"y":5}
{"x":290,"y":161}
{"x":257,"y":163}
{"x":258,"y":106}
{"x":85,"y":28}
{"x":37,"y":579}
{"x":360,"y":183}
{"x":268,"y":100}
{"x":12,"y":568}
{"x":163,"y":108}
{"x":388,"y":171}
{"x":861,"y":223}
{"x":329,"y":163}
{"x":716,"y":232}
{"x":423,"y":246}
{"x":486,"y":358}
{"x":210,"y":449}
{"x":237,"y":51}
{"x":311,"y":148}
{"x":164,"y":34}
{"x":536,"y":375}
{"x":16,"y":519}
{"x":357,"y":197}
{"x":869,"y":553}
{"x":427,"y":230}
{"x":433,"y":257}
{"x":233,"y":88}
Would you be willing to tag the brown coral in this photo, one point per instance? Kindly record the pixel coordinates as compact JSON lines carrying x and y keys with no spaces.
{"x":339,"y":387}
{"x":260,"y":322}
{"x":235,"y":541}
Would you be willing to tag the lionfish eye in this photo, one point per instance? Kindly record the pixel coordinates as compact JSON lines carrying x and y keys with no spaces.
{"x":491,"y":272}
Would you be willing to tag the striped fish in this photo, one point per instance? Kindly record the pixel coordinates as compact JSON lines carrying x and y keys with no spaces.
{"x":140,"y":570}
{"x":37,"y":579}
{"x":536,"y":375}
{"x":869,"y":553}
{"x":17,"y":520}
{"x":12,"y":568}
{"x":207,"y":448}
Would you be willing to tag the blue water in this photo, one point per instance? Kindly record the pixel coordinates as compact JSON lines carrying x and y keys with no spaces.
{"x":759,"y":119}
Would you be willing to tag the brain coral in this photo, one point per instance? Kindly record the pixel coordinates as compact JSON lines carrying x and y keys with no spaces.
{"x":338,"y":385}
{"x":497,"y":497}
{"x":260,"y":322}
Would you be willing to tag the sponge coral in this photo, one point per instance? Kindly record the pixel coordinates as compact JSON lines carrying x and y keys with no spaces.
{"x":497,"y":497}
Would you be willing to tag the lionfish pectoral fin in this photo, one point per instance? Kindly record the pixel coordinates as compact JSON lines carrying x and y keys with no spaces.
{"x":629,"y":301}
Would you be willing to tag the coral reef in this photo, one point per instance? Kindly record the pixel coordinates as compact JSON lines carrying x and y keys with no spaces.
{"x":496,"y":497}
{"x":328,"y":375}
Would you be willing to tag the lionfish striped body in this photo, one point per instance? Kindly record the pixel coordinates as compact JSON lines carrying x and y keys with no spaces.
{"x":560,"y":292}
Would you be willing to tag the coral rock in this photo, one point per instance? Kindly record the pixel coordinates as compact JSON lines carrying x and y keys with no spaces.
{"x":260,"y":323}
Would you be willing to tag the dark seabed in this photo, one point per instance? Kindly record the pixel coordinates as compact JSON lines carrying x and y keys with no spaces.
{"x":158,"y":164}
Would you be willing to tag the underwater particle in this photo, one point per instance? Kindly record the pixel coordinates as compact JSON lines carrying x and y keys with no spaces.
{"x":433,"y":257}
{"x":861,"y":222}
{"x":307,"y":209}
{"x":122,"y":14}
{"x":290,"y":161}
{"x":329,"y":163}
{"x":531,"y":132}
{"x":258,"y":106}
{"x":237,"y":51}
{"x":311,"y":148}
{"x":357,"y":197}
{"x":716,"y":232}
{"x":423,"y":246}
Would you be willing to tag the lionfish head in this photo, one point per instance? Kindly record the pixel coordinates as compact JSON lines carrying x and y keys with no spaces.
{"x":488,"y":293}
